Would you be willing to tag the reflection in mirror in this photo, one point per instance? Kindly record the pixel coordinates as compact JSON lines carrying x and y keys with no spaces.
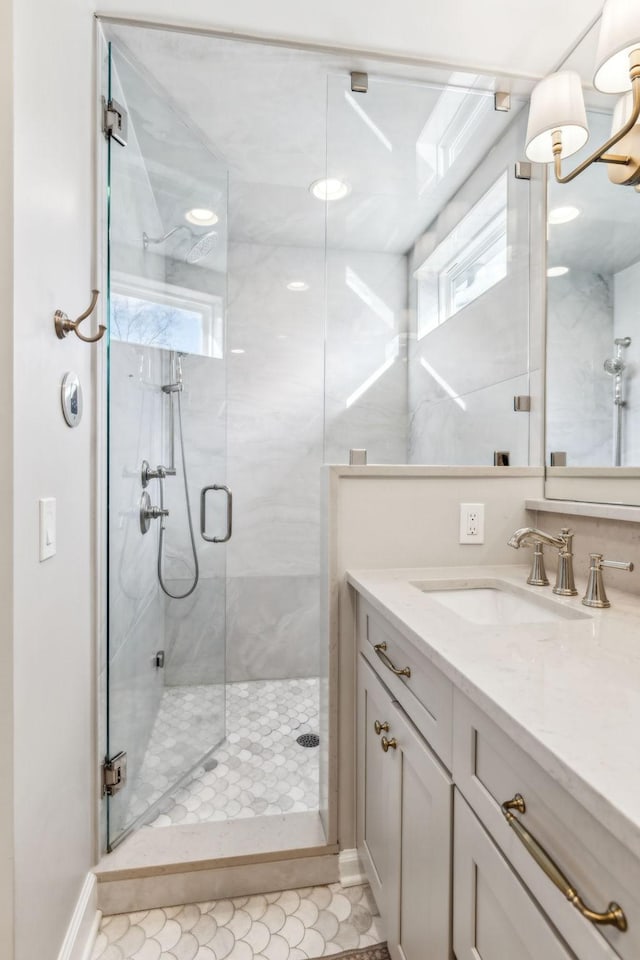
{"x":593,"y":320}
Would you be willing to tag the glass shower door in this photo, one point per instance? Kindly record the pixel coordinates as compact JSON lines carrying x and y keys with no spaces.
{"x":167,"y":277}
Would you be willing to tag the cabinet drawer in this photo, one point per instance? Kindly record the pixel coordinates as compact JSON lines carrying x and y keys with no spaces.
{"x":489,"y":769}
{"x":494,"y":916}
{"x":426,"y":695}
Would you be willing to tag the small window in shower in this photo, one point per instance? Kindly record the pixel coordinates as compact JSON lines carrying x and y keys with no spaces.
{"x":470,"y":260}
{"x":167,"y":317}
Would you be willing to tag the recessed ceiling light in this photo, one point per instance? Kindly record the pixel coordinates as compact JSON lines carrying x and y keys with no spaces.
{"x":563,"y":214}
{"x":201,"y":217}
{"x":298,"y":286}
{"x":330,"y":189}
{"x":237,"y":350}
{"x":557,"y":271}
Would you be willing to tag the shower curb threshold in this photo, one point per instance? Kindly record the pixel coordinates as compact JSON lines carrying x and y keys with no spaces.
{"x":160,"y":867}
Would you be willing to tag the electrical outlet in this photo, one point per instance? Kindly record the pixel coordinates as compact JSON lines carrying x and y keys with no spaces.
{"x":472,"y":523}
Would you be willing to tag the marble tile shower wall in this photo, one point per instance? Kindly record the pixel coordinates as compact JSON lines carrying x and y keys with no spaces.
{"x":136,"y":610}
{"x":275,"y":444}
{"x":464,"y":374}
{"x":626,"y":295}
{"x":366,"y":362}
{"x":275,"y":427}
{"x":579,"y":393}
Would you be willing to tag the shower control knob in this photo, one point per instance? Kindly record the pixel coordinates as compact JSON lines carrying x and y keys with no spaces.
{"x":149,"y":512}
{"x":147,"y":473}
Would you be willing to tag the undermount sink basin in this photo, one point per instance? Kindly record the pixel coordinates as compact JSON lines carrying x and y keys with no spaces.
{"x":496,"y":602}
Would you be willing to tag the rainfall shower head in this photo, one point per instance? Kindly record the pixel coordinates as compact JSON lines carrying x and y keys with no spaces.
{"x":202,"y":247}
{"x":614,"y":366}
{"x":623,"y":342}
{"x":202,"y":244}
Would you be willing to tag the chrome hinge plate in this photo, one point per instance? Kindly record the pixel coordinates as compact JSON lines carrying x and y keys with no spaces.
{"x":114,"y":774}
{"x":115,"y":123}
{"x":359,"y":81}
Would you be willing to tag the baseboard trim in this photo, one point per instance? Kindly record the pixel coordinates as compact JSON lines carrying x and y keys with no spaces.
{"x":83,"y":927}
{"x":351,"y":870}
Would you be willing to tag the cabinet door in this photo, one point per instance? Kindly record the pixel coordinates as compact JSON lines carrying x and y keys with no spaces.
{"x":494,"y":915}
{"x":378,"y":793}
{"x":404,"y":826}
{"x":423,"y":926}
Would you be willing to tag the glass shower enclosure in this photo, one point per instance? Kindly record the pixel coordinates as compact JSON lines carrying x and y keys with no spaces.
{"x":168,"y":506}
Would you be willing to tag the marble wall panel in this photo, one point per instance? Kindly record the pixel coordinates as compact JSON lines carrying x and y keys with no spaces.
{"x":273,"y":629}
{"x":366,"y":373}
{"x":195,"y":630}
{"x":134,"y":434}
{"x":472,"y":355}
{"x":275,"y":400}
{"x":579,"y":393}
{"x":626,"y":296}
{"x":468,"y":429}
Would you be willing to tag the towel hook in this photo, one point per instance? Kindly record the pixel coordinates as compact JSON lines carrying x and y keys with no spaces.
{"x":64,"y":326}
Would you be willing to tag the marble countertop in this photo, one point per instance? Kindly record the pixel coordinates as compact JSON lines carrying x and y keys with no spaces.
{"x":567,"y":692}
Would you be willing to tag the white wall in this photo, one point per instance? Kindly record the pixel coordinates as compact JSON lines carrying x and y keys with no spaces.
{"x":6,"y":481}
{"x":55,"y":765}
{"x":489,"y":35}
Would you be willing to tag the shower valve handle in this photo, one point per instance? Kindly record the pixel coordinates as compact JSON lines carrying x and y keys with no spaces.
{"x":149,"y":512}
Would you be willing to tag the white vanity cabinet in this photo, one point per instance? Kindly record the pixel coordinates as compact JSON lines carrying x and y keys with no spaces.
{"x":423,"y":831}
{"x":404,"y":824}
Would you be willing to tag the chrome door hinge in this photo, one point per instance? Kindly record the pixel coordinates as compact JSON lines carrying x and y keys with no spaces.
{"x":115,"y":121}
{"x":114,"y":774}
{"x":359,"y":81}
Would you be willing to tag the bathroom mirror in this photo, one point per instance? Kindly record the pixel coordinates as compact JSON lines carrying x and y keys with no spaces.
{"x":593,"y":333}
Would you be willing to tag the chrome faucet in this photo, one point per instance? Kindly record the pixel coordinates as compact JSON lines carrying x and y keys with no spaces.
{"x":565,"y":584}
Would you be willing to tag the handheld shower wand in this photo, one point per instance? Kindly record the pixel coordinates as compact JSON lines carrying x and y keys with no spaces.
{"x":615,"y":367}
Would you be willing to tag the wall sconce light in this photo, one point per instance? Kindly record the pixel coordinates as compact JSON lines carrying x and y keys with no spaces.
{"x":557,"y":117}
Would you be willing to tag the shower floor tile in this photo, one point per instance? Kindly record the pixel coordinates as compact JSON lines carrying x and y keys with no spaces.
{"x":292,"y":925}
{"x":259,"y":770}
{"x":189,"y":722}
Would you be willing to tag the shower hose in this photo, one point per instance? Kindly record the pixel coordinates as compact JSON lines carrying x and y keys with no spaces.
{"x":196,"y":566}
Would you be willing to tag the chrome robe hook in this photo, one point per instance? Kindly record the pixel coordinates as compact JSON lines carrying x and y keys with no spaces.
{"x":64,"y":325}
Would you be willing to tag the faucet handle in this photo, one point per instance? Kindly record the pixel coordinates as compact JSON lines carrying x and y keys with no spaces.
{"x":595,"y":595}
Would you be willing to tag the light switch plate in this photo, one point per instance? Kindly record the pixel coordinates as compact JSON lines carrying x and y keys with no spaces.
{"x":47,"y":527}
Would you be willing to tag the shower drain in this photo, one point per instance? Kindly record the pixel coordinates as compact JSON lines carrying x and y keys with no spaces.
{"x":308,"y":740}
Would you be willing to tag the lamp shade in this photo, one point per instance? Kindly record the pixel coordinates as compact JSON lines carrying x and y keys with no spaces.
{"x":622,"y":112}
{"x":619,"y":35}
{"x":557,"y":103}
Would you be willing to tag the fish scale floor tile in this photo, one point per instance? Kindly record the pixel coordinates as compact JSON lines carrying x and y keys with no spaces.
{"x":259,"y":769}
{"x":292,"y":925}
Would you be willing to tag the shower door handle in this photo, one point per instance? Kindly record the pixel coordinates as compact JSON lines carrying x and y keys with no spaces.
{"x":203,"y":513}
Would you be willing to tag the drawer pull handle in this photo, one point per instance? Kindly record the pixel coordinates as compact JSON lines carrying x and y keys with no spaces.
{"x":614,"y":914}
{"x":380,"y":649}
{"x":386,"y":744}
{"x":379,"y":727}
